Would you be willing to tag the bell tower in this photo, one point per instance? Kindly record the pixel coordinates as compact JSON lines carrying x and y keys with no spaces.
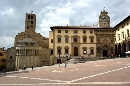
{"x":30,"y":22}
{"x":104,"y":19}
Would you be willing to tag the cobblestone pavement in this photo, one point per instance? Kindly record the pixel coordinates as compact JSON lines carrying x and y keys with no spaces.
{"x":109,"y":72}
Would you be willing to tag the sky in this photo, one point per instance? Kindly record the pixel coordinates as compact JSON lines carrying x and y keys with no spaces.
{"x":56,"y":13}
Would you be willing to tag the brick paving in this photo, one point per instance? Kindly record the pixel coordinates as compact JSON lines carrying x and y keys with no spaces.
{"x":109,"y":72}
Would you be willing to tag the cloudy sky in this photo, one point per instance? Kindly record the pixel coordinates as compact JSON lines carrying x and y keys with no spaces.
{"x":55,"y":13}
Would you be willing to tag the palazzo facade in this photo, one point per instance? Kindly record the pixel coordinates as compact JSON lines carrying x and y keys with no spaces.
{"x":87,"y":41}
{"x":122,"y":38}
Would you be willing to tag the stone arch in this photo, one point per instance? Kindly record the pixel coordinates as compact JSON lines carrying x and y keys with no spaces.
{"x":105,"y":41}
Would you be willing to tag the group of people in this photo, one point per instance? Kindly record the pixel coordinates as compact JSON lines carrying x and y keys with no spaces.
{"x":64,"y":63}
{"x":25,"y":67}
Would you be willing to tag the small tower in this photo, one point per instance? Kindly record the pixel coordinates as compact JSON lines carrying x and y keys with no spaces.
{"x":104,"y":19}
{"x":30,"y":22}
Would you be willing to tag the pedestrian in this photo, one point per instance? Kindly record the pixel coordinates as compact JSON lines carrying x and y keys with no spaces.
{"x":32,"y":67}
{"x":65,"y":64}
{"x":119,"y":55}
{"x":24,"y":67}
{"x":59,"y":64}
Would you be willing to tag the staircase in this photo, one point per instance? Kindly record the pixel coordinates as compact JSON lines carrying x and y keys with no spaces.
{"x":76,"y":60}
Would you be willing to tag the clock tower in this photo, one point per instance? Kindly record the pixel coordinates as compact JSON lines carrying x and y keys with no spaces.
{"x":104,"y":19}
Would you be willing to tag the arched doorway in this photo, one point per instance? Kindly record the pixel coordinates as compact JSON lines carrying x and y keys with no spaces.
{"x":75,"y":51}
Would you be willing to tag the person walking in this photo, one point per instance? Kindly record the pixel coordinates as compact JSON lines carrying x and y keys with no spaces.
{"x":32,"y":67}
{"x":24,"y":67}
{"x":59,"y":64}
{"x":65,"y":64}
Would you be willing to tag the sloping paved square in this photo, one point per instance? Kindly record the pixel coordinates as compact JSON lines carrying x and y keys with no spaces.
{"x":109,"y":72}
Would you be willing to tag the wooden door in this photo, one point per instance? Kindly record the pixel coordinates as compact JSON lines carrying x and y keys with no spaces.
{"x":75,"y":51}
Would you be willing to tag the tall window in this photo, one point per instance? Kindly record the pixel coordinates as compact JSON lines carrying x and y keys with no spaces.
{"x":59,"y":31}
{"x":66,"y":50}
{"x":91,"y":39}
{"x":66,"y":40}
{"x":84,"y":51}
{"x":59,"y":50}
{"x":84,"y":39}
{"x":91,"y":51}
{"x":75,"y":40}
{"x":59,"y":40}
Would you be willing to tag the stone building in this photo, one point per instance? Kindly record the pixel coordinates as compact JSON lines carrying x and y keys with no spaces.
{"x":10,"y":59}
{"x":32,"y":49}
{"x":80,"y":40}
{"x":3,"y":54}
{"x":122,"y":37}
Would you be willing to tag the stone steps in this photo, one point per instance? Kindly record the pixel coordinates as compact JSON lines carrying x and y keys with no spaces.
{"x":75,"y":60}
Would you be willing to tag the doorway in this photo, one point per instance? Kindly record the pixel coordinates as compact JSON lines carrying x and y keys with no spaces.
{"x":75,"y":51}
{"x":104,"y":52}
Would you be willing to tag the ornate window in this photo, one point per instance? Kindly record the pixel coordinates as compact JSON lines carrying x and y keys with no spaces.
{"x":66,"y":49}
{"x":59,"y":38}
{"x":91,"y":39}
{"x":91,"y":50}
{"x":59,"y":49}
{"x":75,"y":40}
{"x":84,"y":38}
{"x":66,"y":39}
{"x":84,"y":50}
